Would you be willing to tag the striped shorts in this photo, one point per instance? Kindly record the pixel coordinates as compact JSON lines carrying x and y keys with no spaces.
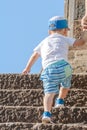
{"x":56,"y":74}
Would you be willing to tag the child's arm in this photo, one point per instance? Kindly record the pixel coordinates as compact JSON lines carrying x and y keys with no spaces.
{"x":79,"y":42}
{"x":30,"y":63}
{"x":82,"y":40}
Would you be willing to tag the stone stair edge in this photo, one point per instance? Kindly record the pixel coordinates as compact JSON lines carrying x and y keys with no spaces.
{"x":34,"y":114}
{"x":41,"y":107}
{"x":40,"y":126}
{"x":10,"y":81}
{"x":35,"y":98}
{"x":49,"y":124}
{"x":36,"y":74}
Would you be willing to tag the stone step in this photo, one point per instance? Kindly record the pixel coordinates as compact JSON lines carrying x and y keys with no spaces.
{"x":34,"y":97}
{"x":18,"y":81}
{"x":40,"y":126}
{"x":21,"y":104}
{"x":25,"y":114}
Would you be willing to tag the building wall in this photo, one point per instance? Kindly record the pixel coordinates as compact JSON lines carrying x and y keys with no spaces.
{"x":74,"y":11}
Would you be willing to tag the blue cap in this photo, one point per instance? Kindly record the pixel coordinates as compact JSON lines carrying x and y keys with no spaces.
{"x":57,"y":22}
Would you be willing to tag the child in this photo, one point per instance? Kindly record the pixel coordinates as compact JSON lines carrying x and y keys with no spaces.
{"x":56,"y":68}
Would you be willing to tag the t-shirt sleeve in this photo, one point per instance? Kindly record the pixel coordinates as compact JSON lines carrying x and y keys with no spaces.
{"x":70,"y":41}
{"x":38,"y":48}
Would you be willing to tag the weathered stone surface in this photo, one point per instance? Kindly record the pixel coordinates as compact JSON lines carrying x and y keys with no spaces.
{"x":79,"y":66}
{"x":70,"y":115}
{"x":35,"y":98}
{"x":18,"y":114}
{"x":76,"y":98}
{"x":78,"y":57}
{"x":21,"y":97}
{"x":15,"y":81}
{"x":16,"y":126}
{"x":20,"y":94}
{"x":79,"y":81}
{"x":34,"y":114}
{"x":79,"y":9}
{"x":74,"y":11}
{"x":77,"y":29}
{"x":18,"y":81}
{"x":39,"y":126}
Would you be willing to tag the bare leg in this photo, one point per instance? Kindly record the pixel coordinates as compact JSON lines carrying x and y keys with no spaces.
{"x":48,"y":101}
{"x":63,"y":92}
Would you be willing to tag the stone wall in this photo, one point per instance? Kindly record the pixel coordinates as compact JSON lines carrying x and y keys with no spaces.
{"x":74,"y":11}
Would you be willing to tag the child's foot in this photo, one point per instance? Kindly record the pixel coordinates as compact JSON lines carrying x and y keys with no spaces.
{"x":46,"y":117}
{"x":59,"y":103}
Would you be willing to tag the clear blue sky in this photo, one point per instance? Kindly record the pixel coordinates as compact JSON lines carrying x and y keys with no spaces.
{"x":23,"y":24}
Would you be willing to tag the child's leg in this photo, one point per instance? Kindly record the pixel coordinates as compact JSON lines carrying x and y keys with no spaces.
{"x":48,"y":101}
{"x":63,"y":92}
{"x":65,"y":85}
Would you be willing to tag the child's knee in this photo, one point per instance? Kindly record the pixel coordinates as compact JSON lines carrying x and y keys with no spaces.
{"x":50,"y":95}
{"x":64,"y":88}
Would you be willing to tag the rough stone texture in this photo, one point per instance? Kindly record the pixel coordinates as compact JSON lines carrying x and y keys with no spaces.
{"x":35,"y":98}
{"x":79,"y":65}
{"x":64,"y":115}
{"x":79,"y":9}
{"x":24,"y":82}
{"x":30,"y":93}
{"x":78,"y":60}
{"x":77,"y":29}
{"x":21,"y":104}
{"x":21,"y":97}
{"x":18,"y":81}
{"x":74,"y":15}
{"x":39,"y":126}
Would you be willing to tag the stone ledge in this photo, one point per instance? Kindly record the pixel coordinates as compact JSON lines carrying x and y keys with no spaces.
{"x":34,"y":114}
{"x":18,"y":81}
{"x":40,"y":126}
{"x":76,"y":97}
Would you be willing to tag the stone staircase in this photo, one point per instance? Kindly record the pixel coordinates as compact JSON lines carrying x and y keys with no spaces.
{"x":21,"y":104}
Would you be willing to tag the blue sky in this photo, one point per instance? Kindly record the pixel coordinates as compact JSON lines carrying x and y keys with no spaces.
{"x":23,"y":24}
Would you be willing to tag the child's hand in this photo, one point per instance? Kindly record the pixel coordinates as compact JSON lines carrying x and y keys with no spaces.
{"x":84,"y":35}
{"x":25,"y":71}
{"x":84,"y":23}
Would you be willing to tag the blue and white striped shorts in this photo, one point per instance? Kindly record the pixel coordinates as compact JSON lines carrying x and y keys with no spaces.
{"x":56,"y":74}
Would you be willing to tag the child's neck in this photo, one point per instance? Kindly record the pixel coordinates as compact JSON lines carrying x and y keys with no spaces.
{"x":56,"y":31}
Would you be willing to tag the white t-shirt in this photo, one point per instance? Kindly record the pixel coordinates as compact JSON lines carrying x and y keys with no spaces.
{"x":54,"y":48}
